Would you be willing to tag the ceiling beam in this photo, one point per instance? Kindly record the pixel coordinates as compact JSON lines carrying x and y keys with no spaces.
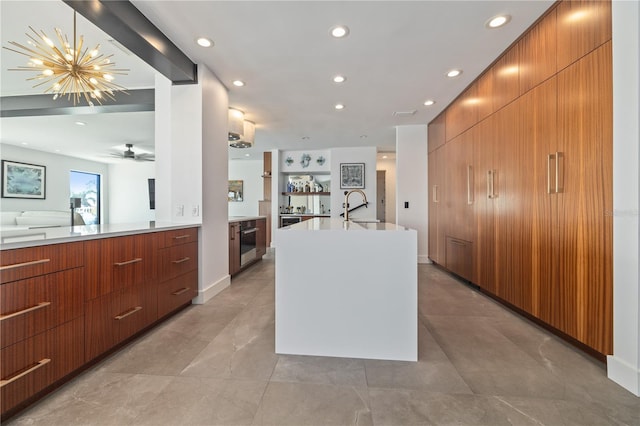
{"x":126,"y":24}
{"x":37,"y":105}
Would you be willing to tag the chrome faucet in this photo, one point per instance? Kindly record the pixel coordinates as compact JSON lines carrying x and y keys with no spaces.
{"x":346,"y":202}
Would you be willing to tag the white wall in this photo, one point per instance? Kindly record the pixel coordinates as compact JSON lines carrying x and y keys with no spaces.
{"x":624,"y":365}
{"x":411,"y":181}
{"x":57,"y":179}
{"x":250,"y":172}
{"x":129,"y":192}
{"x":390,"y":207}
{"x":366,"y":155}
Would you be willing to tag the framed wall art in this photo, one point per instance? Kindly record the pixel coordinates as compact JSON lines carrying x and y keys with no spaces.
{"x":22,"y":180}
{"x":235,"y":190}
{"x":351,"y":175}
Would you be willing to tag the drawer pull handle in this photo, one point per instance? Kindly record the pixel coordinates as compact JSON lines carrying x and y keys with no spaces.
{"x":21,"y":265}
{"x":126,"y":314}
{"x":179,"y":237}
{"x":24,"y":311}
{"x":39,"y":364}
{"x":184,"y":259}
{"x":128,"y":262}
{"x":179,"y":292}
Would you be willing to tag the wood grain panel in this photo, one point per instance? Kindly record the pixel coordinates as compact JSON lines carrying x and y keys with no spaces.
{"x":60,"y":257}
{"x":62,"y":290}
{"x":484,"y":94}
{"x":437,"y":199}
{"x":261,"y":238}
{"x":459,"y":257}
{"x":179,"y":236}
{"x":484,"y":256}
{"x":538,"y":53}
{"x":583,"y":25}
{"x":436,"y":132}
{"x":63,"y":346}
{"x":506,"y":78}
{"x":462,"y":114}
{"x":101,"y":333}
{"x":586,"y":141}
{"x":458,"y":209}
{"x":178,"y":260}
{"x":234,"y":248}
{"x":177,"y":292}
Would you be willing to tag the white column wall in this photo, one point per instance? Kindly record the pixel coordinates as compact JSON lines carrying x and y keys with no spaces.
{"x":390,"y":207}
{"x":411,"y":183}
{"x":623,"y":366}
{"x":249,"y":172}
{"x":129,"y":192}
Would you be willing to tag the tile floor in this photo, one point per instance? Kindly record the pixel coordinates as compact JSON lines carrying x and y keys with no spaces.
{"x":214,"y":364}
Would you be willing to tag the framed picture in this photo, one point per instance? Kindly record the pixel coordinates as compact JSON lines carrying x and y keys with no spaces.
{"x":235,"y":190}
{"x":21,"y":180}
{"x":351,"y":175}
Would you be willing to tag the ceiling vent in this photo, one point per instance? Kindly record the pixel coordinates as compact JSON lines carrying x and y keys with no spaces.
{"x":404,"y":113}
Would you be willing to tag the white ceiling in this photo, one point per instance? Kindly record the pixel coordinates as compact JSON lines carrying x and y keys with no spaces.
{"x":395,"y":57}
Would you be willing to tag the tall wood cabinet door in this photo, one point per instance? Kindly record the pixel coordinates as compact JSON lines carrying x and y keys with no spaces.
{"x":436,"y":192}
{"x":540,"y":131}
{"x":585,"y":197}
{"x":484,"y":244}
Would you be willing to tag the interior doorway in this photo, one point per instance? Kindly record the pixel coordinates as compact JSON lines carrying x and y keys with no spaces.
{"x":381,"y":195}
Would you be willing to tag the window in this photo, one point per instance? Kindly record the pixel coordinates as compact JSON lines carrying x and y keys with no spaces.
{"x":86,"y":186}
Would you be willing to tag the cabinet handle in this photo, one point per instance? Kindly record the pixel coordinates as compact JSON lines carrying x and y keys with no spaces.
{"x":435,"y":193}
{"x":39,"y":364}
{"x":469,"y":185}
{"x":21,"y":265}
{"x":559,"y":172}
{"x":184,"y":259}
{"x":489,"y":184}
{"x":550,"y":158}
{"x":179,"y":292}
{"x":129,"y":312}
{"x":457,"y":242}
{"x":128,"y":262}
{"x":24,"y":311}
{"x":179,"y":237}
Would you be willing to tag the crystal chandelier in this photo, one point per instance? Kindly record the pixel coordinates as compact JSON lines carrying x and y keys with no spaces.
{"x":68,"y":69}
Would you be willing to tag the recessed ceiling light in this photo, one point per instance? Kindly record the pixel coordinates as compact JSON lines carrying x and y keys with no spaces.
{"x":454,"y":73}
{"x":24,"y":143}
{"x":81,"y":123}
{"x":247,"y":155}
{"x":339,"y":79}
{"x":339,"y":31}
{"x":429,"y":102}
{"x":498,"y":21}
{"x":204,"y":42}
{"x":238,"y":83}
{"x":339,"y":106}
{"x":384,"y":157}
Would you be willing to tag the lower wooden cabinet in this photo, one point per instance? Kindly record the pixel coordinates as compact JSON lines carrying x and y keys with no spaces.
{"x":33,"y":364}
{"x":459,"y":257}
{"x":177,"y":292}
{"x":234,"y":248}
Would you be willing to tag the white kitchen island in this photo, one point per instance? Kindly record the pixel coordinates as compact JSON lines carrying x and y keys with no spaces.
{"x":347,"y":289}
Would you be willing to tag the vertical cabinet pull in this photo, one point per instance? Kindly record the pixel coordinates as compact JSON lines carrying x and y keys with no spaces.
{"x":469,"y":184}
{"x":559,"y":172}
{"x":39,"y":364}
{"x":491,"y":190}
{"x":550,"y":158}
{"x":435,"y":193}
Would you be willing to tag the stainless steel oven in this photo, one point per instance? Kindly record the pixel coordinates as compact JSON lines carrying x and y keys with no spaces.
{"x":248,"y":251}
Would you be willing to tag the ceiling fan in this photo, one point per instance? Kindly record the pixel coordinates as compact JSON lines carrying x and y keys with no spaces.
{"x":129,"y":154}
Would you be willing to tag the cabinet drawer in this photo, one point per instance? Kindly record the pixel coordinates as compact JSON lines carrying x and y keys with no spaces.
{"x":178,"y":236}
{"x":32,"y":364}
{"x":458,"y":257}
{"x":178,"y":260}
{"x":31,"y":306}
{"x":177,"y":292}
{"x":117,"y":316}
{"x":30,"y":262}
{"x":113,"y":264}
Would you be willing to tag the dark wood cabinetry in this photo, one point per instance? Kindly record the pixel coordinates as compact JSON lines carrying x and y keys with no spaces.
{"x":64,"y":305}
{"x":540,"y":158}
{"x":234,"y":248}
{"x":235,"y":243}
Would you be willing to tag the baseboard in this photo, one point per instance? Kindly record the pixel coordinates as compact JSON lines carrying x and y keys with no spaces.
{"x":205,"y":294}
{"x":624,"y":374}
{"x":423,"y":259}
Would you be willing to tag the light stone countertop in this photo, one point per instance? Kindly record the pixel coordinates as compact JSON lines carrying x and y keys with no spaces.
{"x":335,"y":224}
{"x":234,"y":219}
{"x":21,"y":238}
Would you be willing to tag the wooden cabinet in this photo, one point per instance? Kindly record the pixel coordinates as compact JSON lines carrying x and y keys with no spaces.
{"x":178,"y":274}
{"x":234,"y":248}
{"x":261,"y":237}
{"x":542,"y":176}
{"x":436,"y":131}
{"x":42,"y":318}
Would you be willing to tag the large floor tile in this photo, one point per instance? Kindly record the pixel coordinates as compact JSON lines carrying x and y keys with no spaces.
{"x":313,"y":404}
{"x":321,"y":370}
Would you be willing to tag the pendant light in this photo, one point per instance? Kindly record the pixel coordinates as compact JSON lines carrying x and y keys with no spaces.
{"x":236,"y":124}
